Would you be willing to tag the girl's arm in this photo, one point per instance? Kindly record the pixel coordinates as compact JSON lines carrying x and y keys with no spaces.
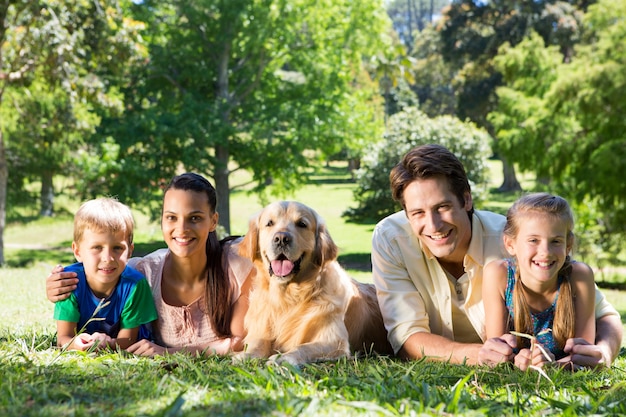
{"x":494,"y":286}
{"x":584,"y":290}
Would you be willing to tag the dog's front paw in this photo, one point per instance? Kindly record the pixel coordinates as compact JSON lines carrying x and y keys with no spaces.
{"x":239,"y":357}
{"x":284,"y":359}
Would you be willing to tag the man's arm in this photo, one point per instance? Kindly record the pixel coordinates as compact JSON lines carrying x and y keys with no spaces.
{"x":609,"y":336}
{"x":439,"y":348}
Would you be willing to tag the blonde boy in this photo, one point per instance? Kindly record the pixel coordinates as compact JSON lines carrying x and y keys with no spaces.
{"x":119,"y":296}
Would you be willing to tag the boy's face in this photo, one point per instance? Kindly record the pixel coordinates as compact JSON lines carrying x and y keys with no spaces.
{"x":104,"y":256}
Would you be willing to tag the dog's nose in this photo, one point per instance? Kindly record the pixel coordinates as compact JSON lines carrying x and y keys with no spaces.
{"x":282,"y":239}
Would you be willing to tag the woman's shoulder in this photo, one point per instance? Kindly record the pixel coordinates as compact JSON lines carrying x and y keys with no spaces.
{"x":240,"y":266}
{"x":151,"y":264}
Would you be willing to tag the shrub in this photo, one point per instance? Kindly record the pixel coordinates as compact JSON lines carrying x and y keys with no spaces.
{"x":406,"y":130}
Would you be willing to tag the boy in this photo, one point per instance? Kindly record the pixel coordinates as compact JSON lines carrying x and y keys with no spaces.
{"x":112,"y":303}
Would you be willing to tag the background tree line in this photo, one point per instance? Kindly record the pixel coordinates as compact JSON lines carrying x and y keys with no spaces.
{"x":118,"y":96}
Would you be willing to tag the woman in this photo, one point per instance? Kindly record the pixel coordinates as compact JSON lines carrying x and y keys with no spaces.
{"x":200,"y":285}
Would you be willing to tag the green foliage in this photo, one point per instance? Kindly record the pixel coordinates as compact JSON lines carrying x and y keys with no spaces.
{"x":565,"y":121}
{"x":269,"y":86}
{"x":57,"y":62}
{"x":102,"y":384}
{"x":406,"y":130}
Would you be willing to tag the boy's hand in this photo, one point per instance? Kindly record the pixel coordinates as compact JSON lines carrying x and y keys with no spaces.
{"x":82,"y":342}
{"x":102,"y":340}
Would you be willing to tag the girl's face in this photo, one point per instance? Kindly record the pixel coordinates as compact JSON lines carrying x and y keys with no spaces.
{"x":540,"y":248}
{"x":187,"y":221}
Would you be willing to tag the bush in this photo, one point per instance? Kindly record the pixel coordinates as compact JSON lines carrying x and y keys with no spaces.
{"x":406,"y":130}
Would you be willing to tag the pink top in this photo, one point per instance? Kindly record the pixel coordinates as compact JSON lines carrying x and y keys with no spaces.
{"x":188,"y":326}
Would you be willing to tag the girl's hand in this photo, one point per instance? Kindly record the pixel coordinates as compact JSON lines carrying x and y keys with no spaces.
{"x":146,"y":348}
{"x":535,"y":357}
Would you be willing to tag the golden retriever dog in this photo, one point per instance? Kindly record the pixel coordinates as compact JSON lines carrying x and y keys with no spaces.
{"x":303,"y":305}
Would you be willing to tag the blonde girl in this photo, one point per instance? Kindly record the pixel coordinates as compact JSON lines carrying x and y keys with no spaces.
{"x":539,"y":291}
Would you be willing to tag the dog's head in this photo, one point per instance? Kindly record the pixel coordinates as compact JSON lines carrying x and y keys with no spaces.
{"x":290,"y":239}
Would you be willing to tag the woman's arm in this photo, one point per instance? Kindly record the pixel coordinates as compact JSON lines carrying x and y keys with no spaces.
{"x":59,"y":284}
{"x":240,"y":308}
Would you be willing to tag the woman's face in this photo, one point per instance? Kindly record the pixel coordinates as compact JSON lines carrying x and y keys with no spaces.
{"x":186,"y":222}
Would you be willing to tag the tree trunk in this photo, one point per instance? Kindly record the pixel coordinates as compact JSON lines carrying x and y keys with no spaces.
{"x":4,"y":176}
{"x":47,"y":195}
{"x":510,"y":182}
{"x":222,"y":187}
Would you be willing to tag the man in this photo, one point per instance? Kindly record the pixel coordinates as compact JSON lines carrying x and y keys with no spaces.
{"x":427,"y":265}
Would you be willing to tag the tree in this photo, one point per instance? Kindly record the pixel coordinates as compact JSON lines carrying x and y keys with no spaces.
{"x":563,"y":118}
{"x":410,"y":16}
{"x":407,"y":129}
{"x":240,"y":84}
{"x":53,"y":57}
{"x":472,"y":31}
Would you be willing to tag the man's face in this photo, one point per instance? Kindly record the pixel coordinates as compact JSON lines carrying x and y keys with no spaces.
{"x":438,"y":219}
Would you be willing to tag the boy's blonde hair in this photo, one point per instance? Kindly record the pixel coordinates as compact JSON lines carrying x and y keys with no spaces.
{"x":103,"y":214}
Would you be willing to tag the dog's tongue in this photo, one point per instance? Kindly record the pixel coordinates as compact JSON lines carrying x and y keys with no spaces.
{"x":282,"y":268}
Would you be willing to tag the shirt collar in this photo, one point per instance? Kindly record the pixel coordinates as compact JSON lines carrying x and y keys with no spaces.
{"x":475,"y":253}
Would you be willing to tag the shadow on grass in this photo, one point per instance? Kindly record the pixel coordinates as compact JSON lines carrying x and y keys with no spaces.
{"x":331,"y":175}
{"x":356,"y":261}
{"x":25,"y":258}
{"x":62,"y":254}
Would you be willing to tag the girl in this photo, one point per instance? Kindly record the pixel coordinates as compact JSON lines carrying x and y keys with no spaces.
{"x":539,"y":291}
{"x":200,"y":285}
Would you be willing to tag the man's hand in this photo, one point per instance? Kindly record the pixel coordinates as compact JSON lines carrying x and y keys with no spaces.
{"x":583,"y":354}
{"x":146,"y":348}
{"x":59,"y":284}
{"x":497,"y":350}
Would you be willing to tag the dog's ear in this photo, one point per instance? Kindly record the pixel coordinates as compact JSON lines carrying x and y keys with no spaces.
{"x":249,"y":246}
{"x":325,"y":247}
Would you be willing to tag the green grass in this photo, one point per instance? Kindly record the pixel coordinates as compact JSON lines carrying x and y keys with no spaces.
{"x":37,"y":381}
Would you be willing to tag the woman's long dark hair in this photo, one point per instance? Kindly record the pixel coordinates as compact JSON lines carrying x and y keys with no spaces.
{"x":218,"y":291}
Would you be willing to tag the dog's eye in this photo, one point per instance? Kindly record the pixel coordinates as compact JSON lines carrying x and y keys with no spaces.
{"x":269,"y":223}
{"x":302,"y":223}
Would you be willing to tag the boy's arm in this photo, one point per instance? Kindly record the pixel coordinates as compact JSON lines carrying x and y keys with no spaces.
{"x":66,"y":330}
{"x":126,"y":337}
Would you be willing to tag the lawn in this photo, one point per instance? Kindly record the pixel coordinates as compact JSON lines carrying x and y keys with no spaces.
{"x":37,"y":380}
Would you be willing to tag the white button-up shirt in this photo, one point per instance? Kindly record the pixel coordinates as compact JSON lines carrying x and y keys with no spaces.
{"x":414,"y":291}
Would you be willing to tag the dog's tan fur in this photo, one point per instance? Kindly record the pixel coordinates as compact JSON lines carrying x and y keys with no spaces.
{"x":315,"y":312}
